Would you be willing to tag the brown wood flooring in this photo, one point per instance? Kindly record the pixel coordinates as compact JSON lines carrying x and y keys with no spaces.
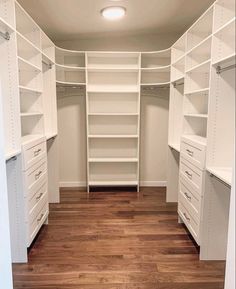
{"x":115,"y":240}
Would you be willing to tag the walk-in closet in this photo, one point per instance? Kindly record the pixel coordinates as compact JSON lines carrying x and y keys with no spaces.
{"x":117,"y":144}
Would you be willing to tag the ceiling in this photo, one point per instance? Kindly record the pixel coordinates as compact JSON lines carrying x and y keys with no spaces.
{"x":74,"y":19}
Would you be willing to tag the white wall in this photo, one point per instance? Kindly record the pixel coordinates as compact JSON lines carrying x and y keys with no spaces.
{"x":5,"y":250}
{"x":154,"y":118}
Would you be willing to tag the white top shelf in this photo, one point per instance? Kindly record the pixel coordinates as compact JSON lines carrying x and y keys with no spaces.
{"x":5,"y":27}
{"x":27,"y":66}
{"x":222,"y":173}
{"x":112,"y":114}
{"x":196,"y":139}
{"x":31,"y":138}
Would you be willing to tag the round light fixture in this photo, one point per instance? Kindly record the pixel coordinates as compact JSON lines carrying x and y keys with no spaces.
{"x":113,"y":12}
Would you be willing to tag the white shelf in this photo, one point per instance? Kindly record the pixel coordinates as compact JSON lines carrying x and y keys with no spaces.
{"x":112,"y":114}
{"x":113,"y":183}
{"x":156,"y":84}
{"x":28,"y":89}
{"x":104,"y":68}
{"x":224,"y":174}
{"x":25,"y":65}
{"x":50,"y":136}
{"x":5,"y":27}
{"x":31,"y":114}
{"x":113,"y":136}
{"x":174,"y":146}
{"x":200,"y":68}
{"x":113,"y":160}
{"x":151,"y":69}
{"x":113,"y":88}
{"x":30,"y":138}
{"x":197,"y":91}
{"x":70,"y":83}
{"x":69,"y":68}
{"x":196,"y":115}
{"x":11,"y":154}
{"x":197,"y":139}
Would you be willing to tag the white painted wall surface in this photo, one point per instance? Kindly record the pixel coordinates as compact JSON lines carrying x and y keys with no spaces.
{"x":5,"y":251}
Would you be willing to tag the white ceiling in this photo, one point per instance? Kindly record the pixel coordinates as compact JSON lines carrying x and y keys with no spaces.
{"x":72,"y":19}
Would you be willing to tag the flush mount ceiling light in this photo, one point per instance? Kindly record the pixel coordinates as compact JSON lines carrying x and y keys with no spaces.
{"x":113,"y":12}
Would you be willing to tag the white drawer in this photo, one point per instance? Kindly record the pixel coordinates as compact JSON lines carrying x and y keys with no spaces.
{"x":194,"y":153}
{"x":191,"y":200}
{"x":34,"y":204}
{"x":190,"y":223}
{"x":191,"y":174}
{"x":33,"y":154}
{"x":34,"y":176}
{"x":37,"y":223}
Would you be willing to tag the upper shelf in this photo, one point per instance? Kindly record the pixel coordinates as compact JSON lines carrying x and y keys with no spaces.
{"x":156,"y":59}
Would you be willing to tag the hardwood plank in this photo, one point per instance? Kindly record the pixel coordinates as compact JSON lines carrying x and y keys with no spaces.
{"x":114,"y":239}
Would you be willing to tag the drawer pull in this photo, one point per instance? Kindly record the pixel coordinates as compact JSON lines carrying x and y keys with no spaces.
{"x":40,"y":218}
{"x":186,"y":217}
{"x":187,"y":196}
{"x":39,"y":197}
{"x":36,"y":153}
{"x":190,"y":153}
{"x":189,"y":175}
{"x":38,"y":175}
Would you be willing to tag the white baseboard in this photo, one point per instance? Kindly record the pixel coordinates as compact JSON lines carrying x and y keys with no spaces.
{"x":153,"y":183}
{"x":72,"y":184}
{"x":84,"y":184}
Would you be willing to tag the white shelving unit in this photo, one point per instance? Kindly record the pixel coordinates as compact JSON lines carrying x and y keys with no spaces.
{"x":113,"y":118}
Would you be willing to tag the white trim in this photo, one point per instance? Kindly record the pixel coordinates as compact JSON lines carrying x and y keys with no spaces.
{"x":72,"y":184}
{"x":153,"y":183}
{"x":84,"y":184}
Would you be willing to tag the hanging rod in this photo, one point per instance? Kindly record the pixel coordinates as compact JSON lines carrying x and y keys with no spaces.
{"x":221,"y":181}
{"x":153,"y":88}
{"x":178,"y":83}
{"x":220,"y":69}
{"x":48,"y":64}
{"x":5,"y":35}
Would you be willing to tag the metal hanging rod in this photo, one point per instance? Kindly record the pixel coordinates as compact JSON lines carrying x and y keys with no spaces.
{"x":48,"y":64}
{"x":71,"y":85}
{"x":221,"y":181}
{"x":5,"y":35}
{"x":153,"y":88}
{"x":220,"y":69}
{"x":178,"y":83}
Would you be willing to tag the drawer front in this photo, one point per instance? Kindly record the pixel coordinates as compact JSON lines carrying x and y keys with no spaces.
{"x":35,"y":175}
{"x":193,"y":154}
{"x":189,"y":222}
{"x":191,"y":200}
{"x":37,"y":223}
{"x":192,"y":175}
{"x":35,"y":203}
{"x":34,"y":154}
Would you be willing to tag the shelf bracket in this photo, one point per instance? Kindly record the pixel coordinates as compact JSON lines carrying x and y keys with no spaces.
{"x":5,"y":35}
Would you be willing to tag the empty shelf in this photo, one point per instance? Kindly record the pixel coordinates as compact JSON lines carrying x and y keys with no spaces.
{"x":222,"y":173}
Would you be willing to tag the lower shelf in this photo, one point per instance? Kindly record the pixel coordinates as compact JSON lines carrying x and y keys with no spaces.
{"x":113,"y":183}
{"x":222,"y":173}
{"x":113,"y":160}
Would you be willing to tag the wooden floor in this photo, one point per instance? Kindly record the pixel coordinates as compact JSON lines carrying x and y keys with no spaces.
{"x":116,"y":240}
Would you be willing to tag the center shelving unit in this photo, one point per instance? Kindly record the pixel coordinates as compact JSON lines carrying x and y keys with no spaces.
{"x":113,"y":118}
